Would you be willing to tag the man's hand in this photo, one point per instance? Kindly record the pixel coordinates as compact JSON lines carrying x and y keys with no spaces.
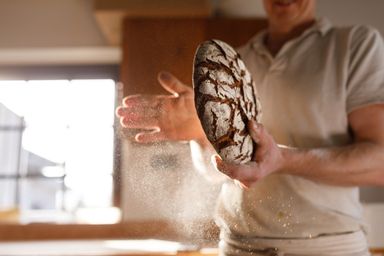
{"x":268,"y":158}
{"x":359,"y":163}
{"x":163,"y":117}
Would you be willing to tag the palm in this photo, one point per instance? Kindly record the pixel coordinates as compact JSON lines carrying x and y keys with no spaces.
{"x":164,"y":117}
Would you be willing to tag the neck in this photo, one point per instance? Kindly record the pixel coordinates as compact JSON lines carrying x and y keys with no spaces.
{"x":278,"y":35}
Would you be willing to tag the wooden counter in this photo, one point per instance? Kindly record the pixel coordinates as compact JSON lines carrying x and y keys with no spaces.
{"x":164,"y":230}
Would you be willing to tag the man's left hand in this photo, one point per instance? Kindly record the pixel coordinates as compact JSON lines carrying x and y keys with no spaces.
{"x":268,"y":158}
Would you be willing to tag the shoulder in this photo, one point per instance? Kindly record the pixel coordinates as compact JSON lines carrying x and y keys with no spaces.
{"x":358,"y":35}
{"x":364,"y":33}
{"x":355,"y":30}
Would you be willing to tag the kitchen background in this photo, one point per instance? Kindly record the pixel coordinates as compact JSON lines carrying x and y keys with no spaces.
{"x":66,"y":40}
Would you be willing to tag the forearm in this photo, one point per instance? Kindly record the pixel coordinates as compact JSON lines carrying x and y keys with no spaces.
{"x":357,"y":164}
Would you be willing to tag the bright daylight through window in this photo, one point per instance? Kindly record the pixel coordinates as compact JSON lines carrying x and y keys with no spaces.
{"x":57,"y":150}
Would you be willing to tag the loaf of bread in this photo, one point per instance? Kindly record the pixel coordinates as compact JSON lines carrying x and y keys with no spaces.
{"x":225,"y":100}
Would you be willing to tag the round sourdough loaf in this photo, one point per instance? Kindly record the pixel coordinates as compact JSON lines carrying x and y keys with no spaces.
{"x":225,"y":100}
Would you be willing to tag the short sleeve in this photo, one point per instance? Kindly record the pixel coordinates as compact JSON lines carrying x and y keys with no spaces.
{"x":365,"y":84}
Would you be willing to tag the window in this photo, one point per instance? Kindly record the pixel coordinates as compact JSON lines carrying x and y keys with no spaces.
{"x":57,"y":145}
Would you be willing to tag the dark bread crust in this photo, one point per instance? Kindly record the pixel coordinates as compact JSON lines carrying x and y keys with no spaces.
{"x":225,"y":100}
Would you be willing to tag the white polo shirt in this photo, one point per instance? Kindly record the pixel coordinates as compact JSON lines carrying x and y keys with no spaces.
{"x":306,"y":93}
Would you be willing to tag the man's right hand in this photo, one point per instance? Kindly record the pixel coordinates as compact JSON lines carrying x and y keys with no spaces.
{"x":162,"y":117}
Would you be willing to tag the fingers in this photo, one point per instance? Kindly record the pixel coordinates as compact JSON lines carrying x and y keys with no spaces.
{"x":149,"y":137}
{"x":119,"y":112}
{"x":243,"y":185}
{"x":144,"y":119}
{"x":138,"y":101}
{"x":171,"y":83}
{"x":141,"y":111}
{"x":254,"y":130}
{"x":139,"y":122}
{"x":245,"y":173}
{"x":261,"y":138}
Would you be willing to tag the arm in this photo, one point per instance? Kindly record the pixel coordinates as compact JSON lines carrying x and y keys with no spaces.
{"x":169,"y":118}
{"x":360,"y":163}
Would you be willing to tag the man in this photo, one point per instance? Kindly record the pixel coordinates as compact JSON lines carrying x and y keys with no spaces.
{"x":322,"y":95}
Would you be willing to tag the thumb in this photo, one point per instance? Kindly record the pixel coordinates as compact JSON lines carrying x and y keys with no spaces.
{"x":258,"y":135}
{"x":255,"y":130}
{"x":170,"y":83}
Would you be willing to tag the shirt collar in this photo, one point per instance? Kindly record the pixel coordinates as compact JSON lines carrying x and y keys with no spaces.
{"x":322,"y":26}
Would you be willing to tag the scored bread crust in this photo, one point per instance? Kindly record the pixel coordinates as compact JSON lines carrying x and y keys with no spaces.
{"x":225,"y":100}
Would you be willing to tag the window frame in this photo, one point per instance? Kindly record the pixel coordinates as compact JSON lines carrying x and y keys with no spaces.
{"x":73,"y":72}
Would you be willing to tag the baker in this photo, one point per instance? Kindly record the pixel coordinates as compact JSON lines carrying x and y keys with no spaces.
{"x":321,"y":136}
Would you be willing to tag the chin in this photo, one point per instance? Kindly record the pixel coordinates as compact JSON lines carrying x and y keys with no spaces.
{"x":289,"y":10}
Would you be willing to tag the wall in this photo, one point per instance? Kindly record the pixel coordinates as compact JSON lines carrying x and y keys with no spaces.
{"x":343,"y":12}
{"x":52,"y":32}
{"x":48,"y":23}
